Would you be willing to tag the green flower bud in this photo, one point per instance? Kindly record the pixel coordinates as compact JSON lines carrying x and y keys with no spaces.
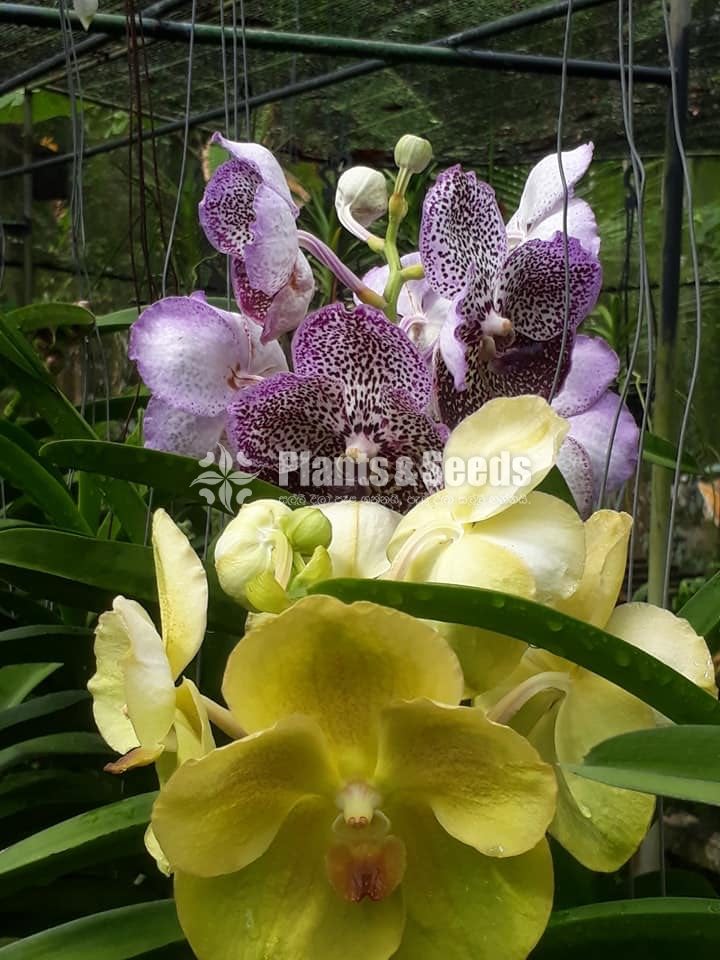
{"x":306,"y":529}
{"x":413,"y":153}
{"x":319,"y":567}
{"x":265,"y":595}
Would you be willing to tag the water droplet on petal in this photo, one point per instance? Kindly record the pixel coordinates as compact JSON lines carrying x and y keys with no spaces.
{"x":498,"y":602}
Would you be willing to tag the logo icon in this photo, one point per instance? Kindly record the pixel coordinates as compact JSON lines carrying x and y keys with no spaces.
{"x":224,"y":484}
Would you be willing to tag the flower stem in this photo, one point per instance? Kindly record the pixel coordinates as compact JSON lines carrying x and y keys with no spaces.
{"x":344,"y":274}
{"x":222,"y":718}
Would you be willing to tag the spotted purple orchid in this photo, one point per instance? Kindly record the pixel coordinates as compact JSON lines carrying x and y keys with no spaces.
{"x":360,"y":390}
{"x":540,"y":213}
{"x":247,"y":212}
{"x":196,"y":358}
{"x":591,"y":407}
{"x":504,"y":334}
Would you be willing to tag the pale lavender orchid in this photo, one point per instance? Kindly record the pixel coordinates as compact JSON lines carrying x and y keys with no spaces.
{"x":540,"y":214}
{"x":360,"y":391}
{"x":591,"y":407}
{"x":504,"y":335}
{"x":196,"y":358}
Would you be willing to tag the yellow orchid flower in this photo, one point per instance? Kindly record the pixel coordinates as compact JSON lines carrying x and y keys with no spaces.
{"x":361,"y":532}
{"x":499,"y":534}
{"x":366,"y":813}
{"x":565,"y":710}
{"x":138,"y":709}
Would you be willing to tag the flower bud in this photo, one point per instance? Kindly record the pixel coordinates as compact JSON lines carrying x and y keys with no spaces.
{"x":306,"y":529}
{"x":263,"y":593}
{"x":361,"y":198}
{"x":254,"y":544}
{"x":319,"y":567}
{"x":413,"y":153}
{"x":85,"y":10}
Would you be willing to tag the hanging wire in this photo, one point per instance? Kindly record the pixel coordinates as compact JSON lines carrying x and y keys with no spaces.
{"x":566,"y":200}
{"x":2,"y":253}
{"x":246,"y":73}
{"x":226,"y":130}
{"x":677,"y":127}
{"x":186,"y":138}
{"x":233,"y":10}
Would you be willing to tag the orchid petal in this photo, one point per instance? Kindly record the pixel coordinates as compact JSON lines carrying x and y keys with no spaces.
{"x":361,"y":531}
{"x":175,"y":431}
{"x":290,"y":303}
{"x":192,"y":726}
{"x":271,"y":254}
{"x":544,"y":189}
{"x":107,"y":685}
{"x":186,"y":352}
{"x":667,"y":637}
{"x":182,"y":592}
{"x":607,"y":534}
{"x":461,"y":229}
{"x":504,"y":430}
{"x":461,"y":904}
{"x":581,"y":224}
{"x":264,"y":161}
{"x":227,"y":209}
{"x":309,"y":660}
{"x":594,"y":365}
{"x":282,"y":905}
{"x":485,"y":784}
{"x":219,"y":813}
{"x":593,"y":430}
{"x":486,"y":658}
{"x":574,"y":464}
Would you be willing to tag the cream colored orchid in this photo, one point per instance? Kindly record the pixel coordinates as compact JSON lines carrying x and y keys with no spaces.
{"x":361,"y":532}
{"x":138,"y":709}
{"x":366,"y":813}
{"x":266,"y":549}
{"x":565,"y":710}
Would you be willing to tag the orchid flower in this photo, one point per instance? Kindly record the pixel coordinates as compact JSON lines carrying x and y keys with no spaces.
{"x":591,"y":409}
{"x":504,"y":335}
{"x":138,"y":709}
{"x":196,"y":358}
{"x":360,"y":391}
{"x":540,"y":214}
{"x":365,"y":807}
{"x":601,"y":826}
{"x":360,"y":533}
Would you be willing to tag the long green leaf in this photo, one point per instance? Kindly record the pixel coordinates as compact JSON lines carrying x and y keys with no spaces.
{"x":44,"y":642}
{"x":40,"y":707}
{"x":79,"y":842}
{"x":87,"y":572}
{"x":113,"y":935}
{"x":29,"y":475}
{"x":621,"y":663}
{"x":662,"y":452}
{"x":682,"y":761}
{"x":123,"y":319}
{"x":556,"y":485}
{"x":167,"y":472}
{"x":661,"y":928}
{"x":27,"y":789}
{"x":55,"y":744}
{"x":39,"y":316}
{"x":20,"y":679}
{"x":702,"y":610}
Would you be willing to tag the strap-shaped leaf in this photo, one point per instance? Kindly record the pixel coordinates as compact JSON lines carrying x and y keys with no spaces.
{"x":627,"y":666}
{"x":39,"y":316}
{"x":19,"y":679}
{"x":40,"y":707}
{"x":55,"y":744}
{"x":79,"y":842}
{"x":662,"y":452}
{"x":661,"y":928}
{"x":44,"y":642}
{"x":682,"y":761}
{"x":702,"y":610}
{"x":112,"y":935}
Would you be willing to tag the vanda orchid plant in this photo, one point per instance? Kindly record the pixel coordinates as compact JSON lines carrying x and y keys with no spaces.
{"x":381,"y":782}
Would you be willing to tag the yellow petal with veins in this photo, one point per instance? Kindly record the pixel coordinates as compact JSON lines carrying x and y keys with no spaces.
{"x":361,"y":531}
{"x":107,"y":685}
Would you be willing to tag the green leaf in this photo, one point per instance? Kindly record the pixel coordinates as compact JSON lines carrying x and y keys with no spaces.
{"x":122,"y":319}
{"x":45,"y":106}
{"x":662,"y":452}
{"x":79,"y":842}
{"x":40,"y":707}
{"x":682,"y":762}
{"x":20,"y":679}
{"x":27,"y":474}
{"x":27,"y":789}
{"x":167,"y":472}
{"x":702,"y":610}
{"x":621,"y":663}
{"x":42,"y":316}
{"x":113,"y":935}
{"x":55,"y":744}
{"x":88,"y":572}
{"x":663,"y":928}
{"x":46,"y":641}
{"x":556,"y":485}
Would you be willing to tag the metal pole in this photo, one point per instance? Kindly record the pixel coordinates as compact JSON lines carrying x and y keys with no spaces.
{"x":334,"y":46}
{"x":28,"y":198}
{"x":665,"y":402}
{"x":83,"y":46}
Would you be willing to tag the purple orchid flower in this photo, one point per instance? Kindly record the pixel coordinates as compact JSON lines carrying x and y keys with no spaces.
{"x":504,"y":335}
{"x":195,"y":358}
{"x":540,"y":214}
{"x":359,"y":396}
{"x":248,"y":213}
{"x":592,"y":408}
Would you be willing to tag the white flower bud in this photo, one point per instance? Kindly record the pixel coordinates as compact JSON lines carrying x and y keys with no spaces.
{"x":85,"y":10}
{"x":413,"y":153}
{"x":361,"y":198}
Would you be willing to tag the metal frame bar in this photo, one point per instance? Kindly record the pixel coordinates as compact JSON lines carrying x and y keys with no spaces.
{"x":334,"y":46}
